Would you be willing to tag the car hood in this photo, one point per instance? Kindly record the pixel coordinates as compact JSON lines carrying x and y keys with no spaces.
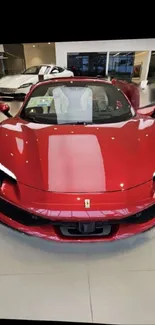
{"x":16,"y":81}
{"x":79,"y":159}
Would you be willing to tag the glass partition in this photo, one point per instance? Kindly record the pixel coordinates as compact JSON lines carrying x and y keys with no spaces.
{"x":151,"y":74}
{"x":87,"y":64}
{"x":121,"y":65}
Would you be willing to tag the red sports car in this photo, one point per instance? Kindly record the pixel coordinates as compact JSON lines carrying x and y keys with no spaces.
{"x":77,"y":163}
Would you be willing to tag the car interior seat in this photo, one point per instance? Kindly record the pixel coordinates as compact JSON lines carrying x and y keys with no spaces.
{"x":73,"y":102}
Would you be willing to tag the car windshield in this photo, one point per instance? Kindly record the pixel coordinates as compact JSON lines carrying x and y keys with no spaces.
{"x":77,"y":102}
{"x":32,"y":70}
{"x":37,"y":69}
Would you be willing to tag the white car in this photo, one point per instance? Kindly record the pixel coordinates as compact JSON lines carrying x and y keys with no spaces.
{"x":19,"y":85}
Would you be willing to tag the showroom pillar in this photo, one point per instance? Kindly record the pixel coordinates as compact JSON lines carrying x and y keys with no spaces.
{"x":1,"y":48}
{"x":145,"y":69}
{"x":107,"y":64}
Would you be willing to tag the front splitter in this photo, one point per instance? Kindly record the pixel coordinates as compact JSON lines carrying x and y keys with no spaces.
{"x":49,"y":232}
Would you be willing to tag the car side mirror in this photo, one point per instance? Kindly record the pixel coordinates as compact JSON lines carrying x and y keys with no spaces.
{"x":147,"y":111}
{"x":5,"y":108}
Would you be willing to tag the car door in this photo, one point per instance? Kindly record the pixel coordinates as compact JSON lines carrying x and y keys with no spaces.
{"x":66,"y":73}
{"x":57,"y":72}
{"x":130,"y":90}
{"x":60,"y":72}
{"x":46,"y":70}
{"x":53,"y":72}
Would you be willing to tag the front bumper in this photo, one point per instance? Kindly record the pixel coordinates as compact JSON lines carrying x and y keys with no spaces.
{"x":18,"y":94}
{"x":61,"y":217}
{"x":68,"y":231}
{"x":7,"y":91}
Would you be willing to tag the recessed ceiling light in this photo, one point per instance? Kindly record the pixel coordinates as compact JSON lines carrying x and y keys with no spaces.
{"x":49,"y":43}
{"x":34,"y":46}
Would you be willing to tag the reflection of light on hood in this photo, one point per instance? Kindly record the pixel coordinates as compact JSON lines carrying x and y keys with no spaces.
{"x":141,"y":207}
{"x":143,"y":124}
{"x":7,"y":171}
{"x":111,"y":125}
{"x":20,"y":144}
{"x":32,"y":126}
{"x":120,"y":212}
{"x":16,"y":127}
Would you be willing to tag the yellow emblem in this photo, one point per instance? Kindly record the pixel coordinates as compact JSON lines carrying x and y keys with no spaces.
{"x":87,"y":203}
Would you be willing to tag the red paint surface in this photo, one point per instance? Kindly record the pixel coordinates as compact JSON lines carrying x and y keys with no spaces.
{"x":130,"y":90}
{"x":95,"y":158}
{"x":59,"y":166}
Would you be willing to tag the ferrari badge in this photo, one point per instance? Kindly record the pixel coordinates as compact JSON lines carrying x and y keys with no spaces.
{"x":87,"y":203}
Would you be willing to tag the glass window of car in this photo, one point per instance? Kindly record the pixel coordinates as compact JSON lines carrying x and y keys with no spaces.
{"x":54,"y":69}
{"x":58,"y":69}
{"x":44,"y":69}
{"x":77,"y":103}
{"x":32,"y":70}
{"x":47,"y":70}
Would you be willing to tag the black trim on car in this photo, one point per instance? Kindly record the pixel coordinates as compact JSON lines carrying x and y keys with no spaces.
{"x":29,"y":219}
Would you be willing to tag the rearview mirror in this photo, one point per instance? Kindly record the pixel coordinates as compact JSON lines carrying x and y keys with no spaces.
{"x":147,"y":111}
{"x":5,"y":108}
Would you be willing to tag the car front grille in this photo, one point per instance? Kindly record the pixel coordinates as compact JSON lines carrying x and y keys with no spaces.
{"x":7,"y":90}
{"x":73,"y":228}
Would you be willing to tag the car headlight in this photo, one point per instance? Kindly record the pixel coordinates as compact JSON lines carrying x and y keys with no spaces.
{"x":26,"y":85}
{"x":7,"y":172}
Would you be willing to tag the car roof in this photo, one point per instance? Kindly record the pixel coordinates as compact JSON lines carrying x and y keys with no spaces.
{"x":41,"y":65}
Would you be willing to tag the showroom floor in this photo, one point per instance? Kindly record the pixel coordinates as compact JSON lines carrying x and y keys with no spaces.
{"x":107,"y":283}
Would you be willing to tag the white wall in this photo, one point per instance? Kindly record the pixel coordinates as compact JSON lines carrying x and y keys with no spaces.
{"x":40,"y":54}
{"x":101,"y":46}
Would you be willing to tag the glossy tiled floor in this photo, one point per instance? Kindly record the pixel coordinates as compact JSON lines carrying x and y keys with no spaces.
{"x":111,"y":283}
